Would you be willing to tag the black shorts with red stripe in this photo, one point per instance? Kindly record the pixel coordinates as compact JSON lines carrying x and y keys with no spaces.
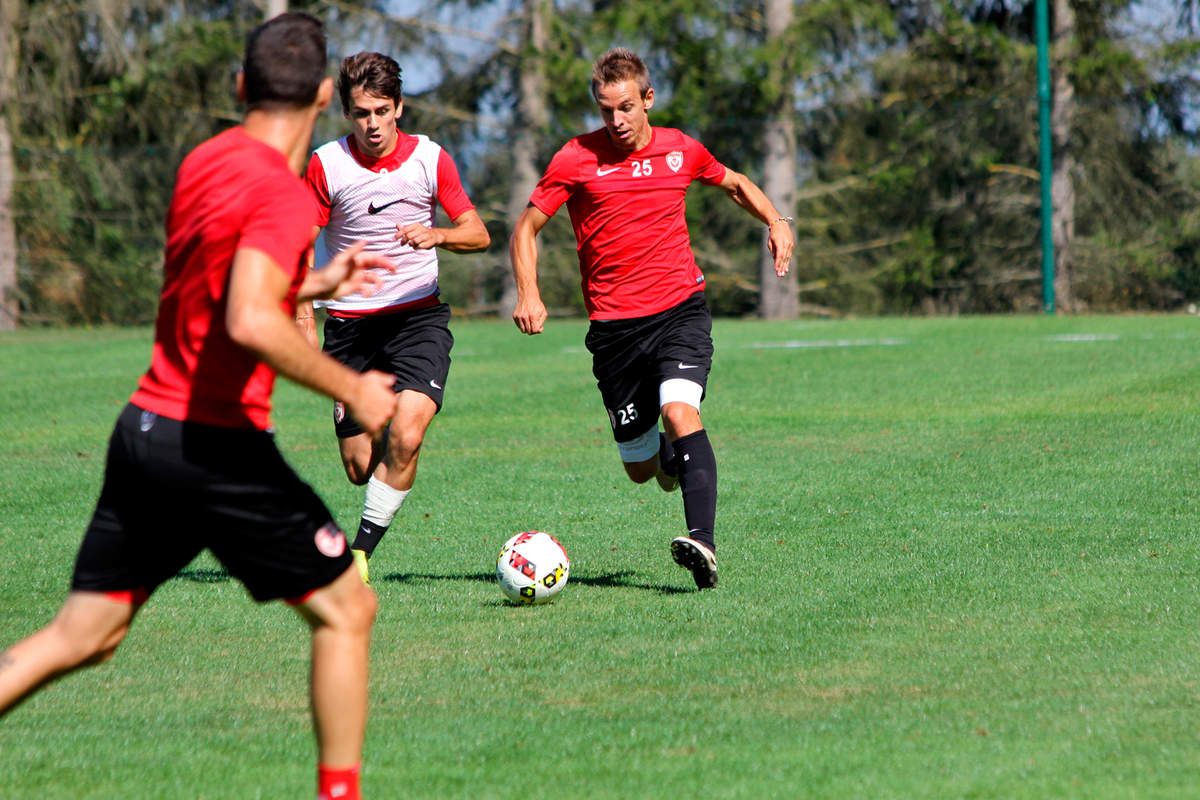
{"x":173,"y":489}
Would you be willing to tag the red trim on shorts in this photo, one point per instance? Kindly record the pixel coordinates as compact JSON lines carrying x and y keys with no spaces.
{"x":132,"y":597}
{"x":300,"y":600}
{"x":425,"y":302}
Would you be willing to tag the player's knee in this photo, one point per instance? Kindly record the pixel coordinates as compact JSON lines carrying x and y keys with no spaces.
{"x":404,"y":445}
{"x":87,"y":648}
{"x":357,"y":473}
{"x":680,"y":419}
{"x":360,"y":612}
{"x":641,"y":471}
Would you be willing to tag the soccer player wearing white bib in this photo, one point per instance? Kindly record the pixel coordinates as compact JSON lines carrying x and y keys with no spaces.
{"x":383,"y":186}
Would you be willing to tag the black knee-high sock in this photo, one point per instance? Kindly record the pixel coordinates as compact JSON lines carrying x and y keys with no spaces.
{"x":698,"y":484}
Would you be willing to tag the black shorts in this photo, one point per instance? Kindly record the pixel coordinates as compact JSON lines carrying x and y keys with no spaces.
{"x":632,"y":357}
{"x":412,"y":345}
{"x":172,"y":489}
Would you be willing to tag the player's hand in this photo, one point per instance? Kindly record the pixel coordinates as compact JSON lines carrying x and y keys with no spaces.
{"x":352,"y":270}
{"x":374,"y":402}
{"x":530,"y":315}
{"x":419,"y":236}
{"x":781,"y":245}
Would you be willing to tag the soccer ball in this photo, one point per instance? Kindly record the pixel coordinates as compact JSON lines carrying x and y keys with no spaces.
{"x":532,"y":568}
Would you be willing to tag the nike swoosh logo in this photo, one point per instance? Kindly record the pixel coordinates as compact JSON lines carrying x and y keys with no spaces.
{"x":688,"y":366}
{"x":600,"y":173}
{"x":434,"y":384}
{"x":374,"y":209}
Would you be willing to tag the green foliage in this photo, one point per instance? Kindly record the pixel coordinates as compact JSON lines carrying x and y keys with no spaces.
{"x":916,"y":128}
{"x":132,"y":89}
{"x":933,"y":191}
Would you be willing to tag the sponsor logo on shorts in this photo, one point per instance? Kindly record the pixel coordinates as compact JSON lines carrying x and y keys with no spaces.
{"x":339,"y":411}
{"x":435,"y":384}
{"x":330,"y":540}
{"x":675,"y":160}
{"x":688,"y":366}
{"x":147,"y":420}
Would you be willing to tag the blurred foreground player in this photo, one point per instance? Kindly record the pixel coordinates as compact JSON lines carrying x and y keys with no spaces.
{"x":192,"y":462}
{"x":624,"y":187}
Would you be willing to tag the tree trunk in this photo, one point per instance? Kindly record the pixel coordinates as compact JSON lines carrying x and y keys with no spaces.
{"x":1062,"y":182}
{"x":530,"y":120}
{"x":9,"y":44}
{"x":778,"y":298}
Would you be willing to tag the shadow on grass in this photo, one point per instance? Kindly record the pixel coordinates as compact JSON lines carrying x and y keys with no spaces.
{"x":610,"y":579}
{"x":203,"y":575}
{"x":618,"y":579}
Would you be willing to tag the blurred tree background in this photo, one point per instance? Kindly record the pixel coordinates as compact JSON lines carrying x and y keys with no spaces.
{"x":901,"y":134}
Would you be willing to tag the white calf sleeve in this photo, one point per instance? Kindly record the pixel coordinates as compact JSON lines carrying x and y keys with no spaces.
{"x":381,"y":502}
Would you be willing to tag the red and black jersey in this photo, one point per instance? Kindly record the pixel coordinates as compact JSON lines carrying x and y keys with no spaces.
{"x":231,"y":192}
{"x":628,"y":213}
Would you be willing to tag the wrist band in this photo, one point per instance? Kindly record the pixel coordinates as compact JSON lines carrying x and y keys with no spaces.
{"x":779,"y":219}
{"x":300,"y":318}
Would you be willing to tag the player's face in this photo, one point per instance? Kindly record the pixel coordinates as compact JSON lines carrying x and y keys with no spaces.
{"x":374,"y":122}
{"x":624,"y":111}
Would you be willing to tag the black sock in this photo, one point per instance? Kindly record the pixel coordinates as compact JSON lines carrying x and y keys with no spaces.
{"x":698,"y":483}
{"x":666,"y":455}
{"x":368,"y":536}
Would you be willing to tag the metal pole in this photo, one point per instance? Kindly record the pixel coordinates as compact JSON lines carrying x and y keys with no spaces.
{"x":1045,"y":144}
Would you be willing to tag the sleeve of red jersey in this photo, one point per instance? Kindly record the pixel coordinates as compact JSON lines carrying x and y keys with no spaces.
{"x":281,"y":228}
{"x":314,"y":176}
{"x":706,"y":168}
{"x":557,"y":182}
{"x":450,"y":192}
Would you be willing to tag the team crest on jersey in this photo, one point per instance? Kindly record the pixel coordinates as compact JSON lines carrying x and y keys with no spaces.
{"x":339,"y":411}
{"x":675,"y":160}
{"x":330,"y":540}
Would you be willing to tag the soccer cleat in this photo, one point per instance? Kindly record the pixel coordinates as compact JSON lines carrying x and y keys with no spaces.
{"x":667,"y":476}
{"x":694,"y":556}
{"x":360,"y":561}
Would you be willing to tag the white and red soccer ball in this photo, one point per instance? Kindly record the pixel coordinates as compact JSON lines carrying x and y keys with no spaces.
{"x":532,"y":568}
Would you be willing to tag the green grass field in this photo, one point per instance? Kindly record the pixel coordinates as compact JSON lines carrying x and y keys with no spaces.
{"x":959,"y":559}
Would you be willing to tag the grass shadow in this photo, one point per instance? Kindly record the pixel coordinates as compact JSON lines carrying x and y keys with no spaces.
{"x":203,"y":575}
{"x":612,"y":579}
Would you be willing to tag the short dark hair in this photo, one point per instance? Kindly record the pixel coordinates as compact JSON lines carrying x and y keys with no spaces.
{"x":285,"y":62}
{"x":617,"y":65}
{"x":376,"y":73}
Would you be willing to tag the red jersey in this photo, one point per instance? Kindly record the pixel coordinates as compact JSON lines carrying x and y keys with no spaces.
{"x":231,"y":192}
{"x":628,"y":213}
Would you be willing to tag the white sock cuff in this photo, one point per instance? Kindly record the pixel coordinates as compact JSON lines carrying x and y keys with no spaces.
{"x":381,"y":502}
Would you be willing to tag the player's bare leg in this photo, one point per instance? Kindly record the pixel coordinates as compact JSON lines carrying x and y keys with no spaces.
{"x":340,"y":615}
{"x":394,"y":475}
{"x":86,"y":631}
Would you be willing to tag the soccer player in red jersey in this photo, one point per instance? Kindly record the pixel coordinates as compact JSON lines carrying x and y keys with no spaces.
{"x":383,"y":186}
{"x":650,"y":334}
{"x":192,"y":462}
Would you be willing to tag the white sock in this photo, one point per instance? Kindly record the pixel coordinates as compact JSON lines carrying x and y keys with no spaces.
{"x":381,"y":502}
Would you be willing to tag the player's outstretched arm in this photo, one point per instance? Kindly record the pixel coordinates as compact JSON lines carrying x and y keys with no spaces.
{"x":255,"y":319}
{"x":469,"y":235}
{"x":345,"y":273}
{"x":746,"y":194}
{"x":530,"y":313}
